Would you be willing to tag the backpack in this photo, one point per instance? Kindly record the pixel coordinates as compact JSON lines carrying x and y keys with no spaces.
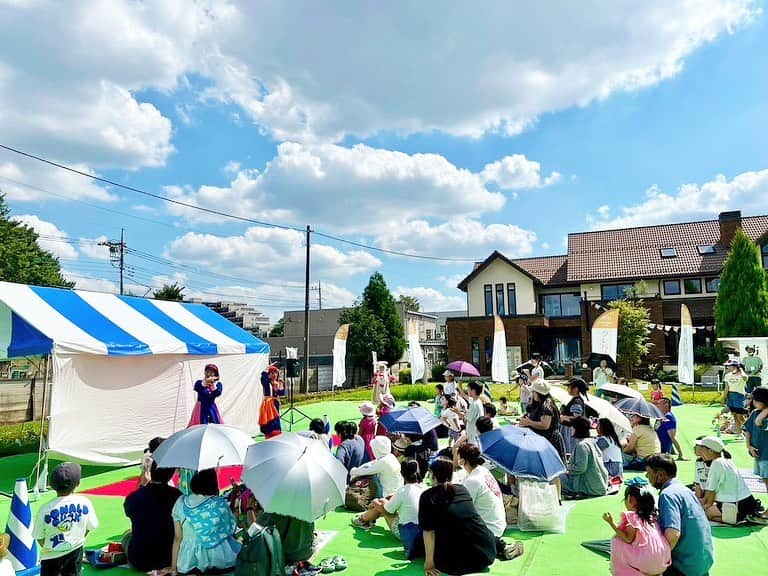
{"x":359,"y":494}
{"x":261,"y":554}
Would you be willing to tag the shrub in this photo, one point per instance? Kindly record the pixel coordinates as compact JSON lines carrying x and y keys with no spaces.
{"x":405,"y":376}
{"x":437,"y":373}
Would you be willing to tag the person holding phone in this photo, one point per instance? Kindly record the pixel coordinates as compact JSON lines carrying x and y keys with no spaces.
{"x":207,"y":390}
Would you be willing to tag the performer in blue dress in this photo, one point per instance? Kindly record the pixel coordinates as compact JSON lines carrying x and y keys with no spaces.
{"x":206,"y":411}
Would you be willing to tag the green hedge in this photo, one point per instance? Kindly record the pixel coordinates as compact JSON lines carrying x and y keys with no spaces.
{"x":19,"y":438}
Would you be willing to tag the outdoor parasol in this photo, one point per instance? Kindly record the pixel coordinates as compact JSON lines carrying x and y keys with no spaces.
{"x":463,"y":368}
{"x":203,"y":446}
{"x":639,"y":406}
{"x":522,"y":453}
{"x":414,"y":420}
{"x":548,"y":370}
{"x":594,"y":361}
{"x":620,"y":390}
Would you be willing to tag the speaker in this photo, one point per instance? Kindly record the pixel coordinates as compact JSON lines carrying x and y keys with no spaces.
{"x":291,"y":367}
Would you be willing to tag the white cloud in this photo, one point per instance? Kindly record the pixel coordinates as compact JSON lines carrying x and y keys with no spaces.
{"x":52,"y":239}
{"x":91,"y":249}
{"x":747,"y":192}
{"x":451,"y":280}
{"x":432,"y":300}
{"x":26,"y":181}
{"x":516,"y":172}
{"x":263,"y":253}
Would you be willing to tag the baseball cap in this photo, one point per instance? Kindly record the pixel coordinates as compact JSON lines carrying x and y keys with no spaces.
{"x":712,"y":442}
{"x":66,"y":477}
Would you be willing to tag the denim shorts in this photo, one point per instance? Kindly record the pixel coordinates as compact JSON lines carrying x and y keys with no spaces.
{"x":736,"y":403}
{"x":761,"y":468}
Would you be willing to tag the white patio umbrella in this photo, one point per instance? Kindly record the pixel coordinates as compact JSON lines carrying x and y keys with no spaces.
{"x":560,"y":394}
{"x":295,"y":476}
{"x":203,"y":446}
{"x":603,"y":408}
{"x":621,"y":390}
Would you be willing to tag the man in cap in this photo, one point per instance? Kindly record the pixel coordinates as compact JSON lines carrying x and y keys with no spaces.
{"x":753,"y":366}
{"x":62,"y":524}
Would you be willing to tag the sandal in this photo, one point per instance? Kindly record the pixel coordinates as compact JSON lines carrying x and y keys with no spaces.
{"x":512,"y":551}
{"x":339,"y":563}
{"x":357,"y":522}
{"x":327,"y":566}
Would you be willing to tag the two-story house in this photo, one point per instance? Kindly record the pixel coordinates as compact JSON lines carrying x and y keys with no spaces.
{"x":548,"y":303}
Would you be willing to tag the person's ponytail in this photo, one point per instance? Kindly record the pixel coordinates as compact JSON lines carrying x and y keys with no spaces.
{"x":726,"y":454}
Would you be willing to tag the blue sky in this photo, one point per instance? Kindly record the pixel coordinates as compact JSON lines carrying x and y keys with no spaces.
{"x":431,"y":129}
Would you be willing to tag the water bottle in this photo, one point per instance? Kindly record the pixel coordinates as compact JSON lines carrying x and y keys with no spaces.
{"x":327,"y":424}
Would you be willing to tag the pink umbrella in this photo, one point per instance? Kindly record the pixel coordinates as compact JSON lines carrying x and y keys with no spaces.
{"x":463,"y":368}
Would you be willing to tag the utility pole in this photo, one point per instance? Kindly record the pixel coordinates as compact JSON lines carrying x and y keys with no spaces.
{"x":319,"y":290}
{"x":117,"y":255}
{"x":305,"y":385}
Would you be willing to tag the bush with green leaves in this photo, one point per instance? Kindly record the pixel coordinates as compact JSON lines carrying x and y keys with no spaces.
{"x":634,"y":334}
{"x":437,"y":373}
{"x":405,"y":376}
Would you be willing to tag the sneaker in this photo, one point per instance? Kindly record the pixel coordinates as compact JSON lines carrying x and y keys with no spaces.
{"x":512,"y":551}
{"x":357,"y":522}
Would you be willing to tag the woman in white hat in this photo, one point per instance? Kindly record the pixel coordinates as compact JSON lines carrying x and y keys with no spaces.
{"x":726,"y":495}
{"x":543,"y":417}
{"x":735,"y":381}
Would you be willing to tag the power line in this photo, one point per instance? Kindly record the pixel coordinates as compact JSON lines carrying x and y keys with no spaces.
{"x":233,"y":216}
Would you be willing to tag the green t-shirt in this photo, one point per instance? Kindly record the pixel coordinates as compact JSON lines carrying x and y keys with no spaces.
{"x":753,"y":365}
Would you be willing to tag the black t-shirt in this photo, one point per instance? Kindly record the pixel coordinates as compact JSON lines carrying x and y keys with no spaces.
{"x":463,"y":543}
{"x":149,"y":509}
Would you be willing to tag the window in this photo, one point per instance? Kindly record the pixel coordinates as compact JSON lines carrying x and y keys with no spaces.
{"x":429,"y":335}
{"x":559,"y":305}
{"x":764,"y":251}
{"x":500,"y":299}
{"x":488,"y":346}
{"x":488,"y":300}
{"x":713,"y":284}
{"x":476,"y":351}
{"x":671,"y":287}
{"x":706,"y":249}
{"x":668,"y":252}
{"x":511,"y":299}
{"x":692,"y":285}
{"x":616,"y":291}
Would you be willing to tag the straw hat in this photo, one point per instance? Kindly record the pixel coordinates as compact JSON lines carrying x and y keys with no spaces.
{"x":367,"y":409}
{"x":542,"y":387}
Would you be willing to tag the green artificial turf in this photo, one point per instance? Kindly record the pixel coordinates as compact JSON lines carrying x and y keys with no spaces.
{"x":741,"y":549}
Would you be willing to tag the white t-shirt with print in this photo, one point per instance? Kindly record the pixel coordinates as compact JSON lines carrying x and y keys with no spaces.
{"x":726,"y":482}
{"x":405,"y":503}
{"x":487,"y":498}
{"x":451,"y":419}
{"x":62,"y":524}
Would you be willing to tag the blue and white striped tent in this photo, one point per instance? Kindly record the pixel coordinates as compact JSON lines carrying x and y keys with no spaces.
{"x":128,"y":365}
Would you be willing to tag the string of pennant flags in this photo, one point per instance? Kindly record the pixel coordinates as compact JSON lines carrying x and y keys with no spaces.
{"x":661,"y":327}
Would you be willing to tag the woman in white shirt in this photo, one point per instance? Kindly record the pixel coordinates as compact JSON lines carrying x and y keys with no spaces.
{"x":385,"y":467}
{"x":726,"y":496}
{"x":401,"y":510}
{"x":610,"y":447}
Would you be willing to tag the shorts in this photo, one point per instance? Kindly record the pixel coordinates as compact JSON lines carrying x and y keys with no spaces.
{"x":411,"y":536}
{"x":454,"y":434}
{"x":736,"y":403}
{"x":745,"y":507}
{"x":761,"y":468}
{"x":70,"y":564}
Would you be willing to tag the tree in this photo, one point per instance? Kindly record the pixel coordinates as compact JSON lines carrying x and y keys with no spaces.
{"x":741,"y":308}
{"x":278,"y":329}
{"x":170,"y":292}
{"x":366,"y":334}
{"x":379,"y":300}
{"x":411,"y":303}
{"x":21,"y":258}
{"x":633,"y":335}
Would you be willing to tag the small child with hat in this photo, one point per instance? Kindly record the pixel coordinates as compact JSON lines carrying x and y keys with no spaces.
{"x":61,"y":525}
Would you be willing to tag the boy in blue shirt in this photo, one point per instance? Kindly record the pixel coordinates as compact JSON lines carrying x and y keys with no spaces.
{"x":667,"y":430}
{"x":756,"y":434}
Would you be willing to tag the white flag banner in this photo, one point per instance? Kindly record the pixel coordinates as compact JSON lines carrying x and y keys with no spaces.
{"x":605,"y":333}
{"x":340,"y":356}
{"x":415,"y":354}
{"x":685,"y":347}
{"x":499,"y":362}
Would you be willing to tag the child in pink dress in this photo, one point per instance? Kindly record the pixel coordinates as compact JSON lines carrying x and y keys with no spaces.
{"x":367,"y":428}
{"x":639,"y":548}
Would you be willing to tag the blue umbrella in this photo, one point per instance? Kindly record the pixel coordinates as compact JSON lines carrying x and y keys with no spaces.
{"x":521,"y":452}
{"x":410,"y":421}
{"x":639,"y":406}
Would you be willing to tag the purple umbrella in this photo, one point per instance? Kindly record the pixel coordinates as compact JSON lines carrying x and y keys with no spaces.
{"x":463,"y":368}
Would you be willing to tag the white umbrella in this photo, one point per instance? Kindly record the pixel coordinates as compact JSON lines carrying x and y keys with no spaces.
{"x":560,"y":394}
{"x":621,"y":390}
{"x":603,"y":408}
{"x":295,"y":476}
{"x":203,"y":446}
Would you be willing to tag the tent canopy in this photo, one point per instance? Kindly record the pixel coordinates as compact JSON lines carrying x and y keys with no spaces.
{"x":39,"y":321}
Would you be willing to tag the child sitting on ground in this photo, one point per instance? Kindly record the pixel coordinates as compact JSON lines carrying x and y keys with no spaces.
{"x":639,"y":546}
{"x":505,"y":409}
{"x":62,"y":524}
{"x":702,"y":471}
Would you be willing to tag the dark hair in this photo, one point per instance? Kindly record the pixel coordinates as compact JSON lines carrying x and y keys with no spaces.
{"x":205,"y":483}
{"x":502,"y":399}
{"x":442,"y":469}
{"x":655,"y":381}
{"x":484,"y":424}
{"x":162,"y":475}
{"x":445,"y":453}
{"x":154,"y":444}
{"x":760,"y":395}
{"x":606,"y":426}
{"x":646,"y":504}
{"x":471,"y":455}
{"x":317,"y":426}
{"x":726,"y":454}
{"x":440,"y":388}
{"x":489,"y":409}
{"x":345,"y":429}
{"x":476,"y":386}
{"x":580,"y":427}
{"x":579,"y":384}
{"x":662,"y":463}
{"x":451,"y":400}
{"x":414,"y":404}
{"x":667,"y":400}
{"x":409,"y":469}
{"x":644,"y":420}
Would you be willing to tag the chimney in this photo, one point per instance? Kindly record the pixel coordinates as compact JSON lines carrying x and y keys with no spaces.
{"x":729,"y":223}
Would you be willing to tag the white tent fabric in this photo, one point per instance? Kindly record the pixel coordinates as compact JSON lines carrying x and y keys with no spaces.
{"x":124,"y":368}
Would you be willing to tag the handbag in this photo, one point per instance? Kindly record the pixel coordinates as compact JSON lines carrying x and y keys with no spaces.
{"x":360,"y":492}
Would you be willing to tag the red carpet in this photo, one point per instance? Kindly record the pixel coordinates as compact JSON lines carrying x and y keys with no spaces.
{"x":125,"y":487}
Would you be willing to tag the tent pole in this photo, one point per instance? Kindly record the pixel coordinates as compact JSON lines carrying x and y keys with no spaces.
{"x":41,"y":451}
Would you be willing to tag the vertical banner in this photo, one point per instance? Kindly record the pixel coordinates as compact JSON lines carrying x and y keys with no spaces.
{"x":499,"y":365}
{"x":415,"y":355}
{"x":684,"y":353}
{"x":605,"y":333}
{"x":340,"y":356}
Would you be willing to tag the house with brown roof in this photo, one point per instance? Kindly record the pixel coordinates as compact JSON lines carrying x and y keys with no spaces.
{"x":548,"y":304}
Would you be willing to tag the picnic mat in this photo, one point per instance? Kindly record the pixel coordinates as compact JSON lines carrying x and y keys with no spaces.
{"x":122,"y":488}
{"x":755,"y":484}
